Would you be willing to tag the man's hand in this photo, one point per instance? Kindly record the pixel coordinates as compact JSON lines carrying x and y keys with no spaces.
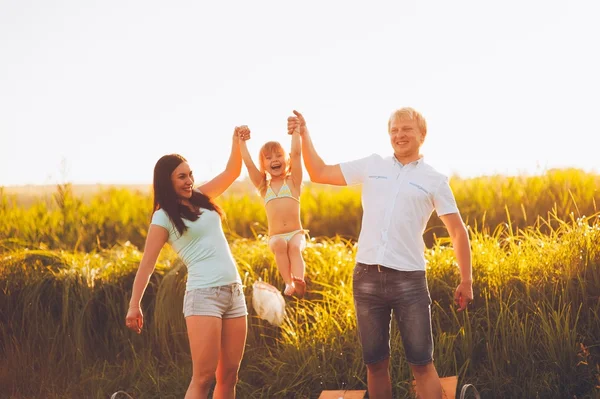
{"x":296,"y":124}
{"x":463,"y":295}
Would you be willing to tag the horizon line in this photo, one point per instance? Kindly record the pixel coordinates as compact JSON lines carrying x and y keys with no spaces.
{"x":247,"y":179}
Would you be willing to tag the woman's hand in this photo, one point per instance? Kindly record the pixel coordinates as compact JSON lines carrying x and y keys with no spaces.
{"x":134,"y":319}
{"x":242,"y":132}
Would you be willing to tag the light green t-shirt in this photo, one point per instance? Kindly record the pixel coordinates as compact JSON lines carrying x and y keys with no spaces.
{"x":203,"y":248}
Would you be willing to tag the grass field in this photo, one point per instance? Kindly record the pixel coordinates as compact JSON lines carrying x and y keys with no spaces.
{"x":67,"y":262}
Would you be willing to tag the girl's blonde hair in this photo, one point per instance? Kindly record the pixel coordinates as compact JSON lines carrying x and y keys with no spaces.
{"x":267,"y":149}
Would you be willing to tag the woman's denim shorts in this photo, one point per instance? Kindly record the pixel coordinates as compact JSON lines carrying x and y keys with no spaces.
{"x":224,"y":302}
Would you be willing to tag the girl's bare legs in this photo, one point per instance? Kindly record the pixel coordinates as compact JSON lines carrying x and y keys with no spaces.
{"x":233,"y":340}
{"x":204,"y":333}
{"x":295,"y":247}
{"x":294,"y":251}
{"x":279,"y":248}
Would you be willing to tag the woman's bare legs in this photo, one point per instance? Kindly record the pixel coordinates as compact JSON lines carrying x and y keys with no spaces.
{"x":233,"y":341}
{"x":204,"y":333}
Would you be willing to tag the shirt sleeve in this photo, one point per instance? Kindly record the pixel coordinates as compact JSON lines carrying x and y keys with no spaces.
{"x":443,"y":199}
{"x":160,"y":218}
{"x":355,"y":172}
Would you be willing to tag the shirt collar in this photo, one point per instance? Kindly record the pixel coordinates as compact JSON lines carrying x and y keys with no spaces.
{"x":418,"y":162}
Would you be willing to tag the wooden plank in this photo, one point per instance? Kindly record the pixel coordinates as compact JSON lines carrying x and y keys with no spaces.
{"x":343,"y":394}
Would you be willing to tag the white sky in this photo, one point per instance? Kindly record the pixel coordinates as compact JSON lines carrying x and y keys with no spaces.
{"x":110,"y":86}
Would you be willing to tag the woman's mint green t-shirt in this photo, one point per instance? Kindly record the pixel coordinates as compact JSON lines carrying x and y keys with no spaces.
{"x":203,"y":248}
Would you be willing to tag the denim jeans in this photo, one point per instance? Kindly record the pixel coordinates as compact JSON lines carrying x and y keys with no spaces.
{"x":379,"y":291}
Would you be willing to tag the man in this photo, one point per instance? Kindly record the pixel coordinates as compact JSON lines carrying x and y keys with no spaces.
{"x":399,"y":194}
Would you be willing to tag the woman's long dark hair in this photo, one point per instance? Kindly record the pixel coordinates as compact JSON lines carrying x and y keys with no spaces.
{"x":165,"y":197}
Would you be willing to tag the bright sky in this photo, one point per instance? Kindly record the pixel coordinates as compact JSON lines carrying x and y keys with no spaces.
{"x":107,"y":87}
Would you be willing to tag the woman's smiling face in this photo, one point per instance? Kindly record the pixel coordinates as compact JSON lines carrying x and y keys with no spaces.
{"x":183,"y":181}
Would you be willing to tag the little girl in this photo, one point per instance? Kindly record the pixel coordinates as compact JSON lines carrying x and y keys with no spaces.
{"x":279,"y":181}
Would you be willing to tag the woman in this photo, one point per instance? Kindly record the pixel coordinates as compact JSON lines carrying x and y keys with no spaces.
{"x":214,"y":305}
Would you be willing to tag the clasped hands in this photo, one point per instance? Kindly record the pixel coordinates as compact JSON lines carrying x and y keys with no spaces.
{"x":295,"y":124}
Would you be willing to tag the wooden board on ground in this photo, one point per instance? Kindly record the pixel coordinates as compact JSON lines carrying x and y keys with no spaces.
{"x":343,"y":394}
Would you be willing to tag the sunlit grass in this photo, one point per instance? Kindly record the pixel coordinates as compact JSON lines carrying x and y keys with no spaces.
{"x":533,"y":330}
{"x":67,"y":264}
{"x":117,"y":215}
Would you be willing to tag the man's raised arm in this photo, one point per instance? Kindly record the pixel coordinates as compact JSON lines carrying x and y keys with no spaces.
{"x":318,"y":171}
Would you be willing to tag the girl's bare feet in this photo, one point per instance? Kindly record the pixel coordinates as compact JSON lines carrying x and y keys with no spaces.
{"x":300,"y":286}
{"x":289,"y":289}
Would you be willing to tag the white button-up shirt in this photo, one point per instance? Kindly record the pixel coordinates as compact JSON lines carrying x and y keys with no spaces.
{"x":397,"y":202}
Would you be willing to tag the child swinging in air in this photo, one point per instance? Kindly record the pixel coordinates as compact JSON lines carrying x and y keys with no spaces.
{"x":279,"y":180}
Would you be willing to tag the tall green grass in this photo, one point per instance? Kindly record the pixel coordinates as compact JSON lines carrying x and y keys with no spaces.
{"x":533,"y":330}
{"x":116,"y":215}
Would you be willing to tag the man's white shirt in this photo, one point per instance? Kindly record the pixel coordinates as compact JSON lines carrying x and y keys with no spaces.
{"x":397,"y":203}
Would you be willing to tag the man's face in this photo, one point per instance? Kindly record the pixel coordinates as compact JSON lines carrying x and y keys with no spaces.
{"x":406,"y":138}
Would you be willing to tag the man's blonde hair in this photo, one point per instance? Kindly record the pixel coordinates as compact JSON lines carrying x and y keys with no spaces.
{"x":410,"y":114}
